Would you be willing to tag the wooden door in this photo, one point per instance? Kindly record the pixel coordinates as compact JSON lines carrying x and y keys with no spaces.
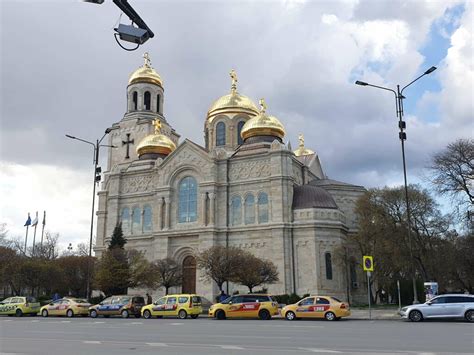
{"x":189,"y":275}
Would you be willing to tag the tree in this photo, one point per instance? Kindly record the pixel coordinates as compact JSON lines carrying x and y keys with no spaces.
{"x":113,"y":272}
{"x":117,"y":241}
{"x":254,"y":271}
{"x":170,"y":273}
{"x":142,"y":272}
{"x":220,"y":264}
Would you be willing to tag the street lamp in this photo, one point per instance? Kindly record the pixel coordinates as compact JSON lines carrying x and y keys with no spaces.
{"x":402,"y":136}
{"x":97,"y":171}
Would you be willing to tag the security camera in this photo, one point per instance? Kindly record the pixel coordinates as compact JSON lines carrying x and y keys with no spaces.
{"x":132,"y":34}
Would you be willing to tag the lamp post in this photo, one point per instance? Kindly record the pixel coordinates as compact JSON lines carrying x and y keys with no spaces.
{"x":402,"y":136}
{"x":97,"y":171}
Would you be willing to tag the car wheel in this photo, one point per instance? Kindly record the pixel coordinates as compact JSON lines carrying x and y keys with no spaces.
{"x":290,"y":315}
{"x":124,"y":313}
{"x":415,"y":316}
{"x":194,"y":316}
{"x":44,"y":313}
{"x":469,"y":316}
{"x":93,"y":313}
{"x":70,"y":313}
{"x":146,"y":314}
{"x":330,"y":316}
{"x":182,"y":314}
{"x":264,"y":314}
{"x":19,"y":313}
{"x":220,"y":314}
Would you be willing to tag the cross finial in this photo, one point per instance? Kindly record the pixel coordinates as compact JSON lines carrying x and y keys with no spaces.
{"x":233,"y":76}
{"x":263,"y":105}
{"x":157,"y":124}
{"x":146,"y":56}
{"x":301,"y":138}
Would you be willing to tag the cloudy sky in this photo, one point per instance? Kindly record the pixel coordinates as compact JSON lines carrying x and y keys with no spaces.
{"x":62,"y":72}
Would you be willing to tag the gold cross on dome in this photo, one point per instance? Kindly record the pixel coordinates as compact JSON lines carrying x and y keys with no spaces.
{"x":146,"y":56}
{"x":301,"y":138}
{"x":233,"y":76}
{"x":263,"y":105}
{"x":157,"y":124}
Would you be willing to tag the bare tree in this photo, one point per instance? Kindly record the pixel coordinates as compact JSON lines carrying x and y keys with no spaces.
{"x":254,"y":272}
{"x":170,"y":273}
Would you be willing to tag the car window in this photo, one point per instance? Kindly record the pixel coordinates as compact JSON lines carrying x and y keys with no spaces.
{"x":306,"y":301}
{"x":196,"y":299}
{"x":17,"y":300}
{"x":6,"y":301}
{"x":171,"y":300}
{"x":183,"y":299}
{"x":438,"y":300}
{"x":30,"y":299}
{"x":263,"y":298}
{"x":160,"y":301}
{"x":80,"y":300}
{"x":237,"y":299}
{"x":124,"y":300}
{"x":468,"y":299}
{"x":456,"y":299}
{"x":320,"y":300}
{"x":249,"y":299}
{"x":106,"y":301}
{"x":336,"y":299}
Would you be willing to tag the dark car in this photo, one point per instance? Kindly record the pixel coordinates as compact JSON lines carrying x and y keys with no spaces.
{"x":119,"y":305}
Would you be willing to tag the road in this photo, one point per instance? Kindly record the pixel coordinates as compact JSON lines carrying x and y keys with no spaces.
{"x":36,"y":335}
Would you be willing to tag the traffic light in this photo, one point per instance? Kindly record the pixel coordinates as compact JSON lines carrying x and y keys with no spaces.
{"x":98,"y":170}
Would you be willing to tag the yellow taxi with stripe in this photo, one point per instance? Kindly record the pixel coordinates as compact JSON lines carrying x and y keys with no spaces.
{"x":180,"y":306}
{"x":329,"y":308}
{"x":19,"y":306}
{"x":69,"y":307}
{"x":245,"y":306}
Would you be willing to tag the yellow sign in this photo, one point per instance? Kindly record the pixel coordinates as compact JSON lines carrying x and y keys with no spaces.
{"x":368,"y":263}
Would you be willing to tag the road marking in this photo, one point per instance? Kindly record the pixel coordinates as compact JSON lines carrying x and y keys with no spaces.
{"x":91,"y":342}
{"x":313,"y":350}
{"x":65,"y":321}
{"x":137,"y":322}
{"x":99,"y":322}
{"x":156,"y":344}
{"x":35,"y":321}
{"x":176,"y":323}
{"x":231,"y":347}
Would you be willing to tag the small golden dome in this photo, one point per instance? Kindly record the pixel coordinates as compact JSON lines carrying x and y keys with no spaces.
{"x":302,"y":150}
{"x":263,"y":125}
{"x":145,"y":74}
{"x":156,"y":143}
{"x":232,"y":103}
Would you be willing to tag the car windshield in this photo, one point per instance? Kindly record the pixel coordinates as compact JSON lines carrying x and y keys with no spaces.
{"x":336,"y":299}
{"x":30,"y":299}
{"x":80,"y":300}
{"x":227,"y":300}
{"x":138,"y":300}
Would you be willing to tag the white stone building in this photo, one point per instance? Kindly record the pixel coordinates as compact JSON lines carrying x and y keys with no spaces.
{"x":244,"y":188}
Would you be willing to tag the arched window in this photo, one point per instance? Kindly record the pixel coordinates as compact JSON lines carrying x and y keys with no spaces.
{"x":158,"y":103}
{"x":328,"y":258}
{"x":147,"y":100}
{"x":262,"y":207}
{"x":187,"y":206}
{"x":147,"y":219}
{"x":249,"y":209}
{"x":239,"y":129}
{"x":136,"y":220}
{"x":125,"y":219}
{"x":220,"y":134}
{"x":135,"y":100}
{"x":236,"y":210}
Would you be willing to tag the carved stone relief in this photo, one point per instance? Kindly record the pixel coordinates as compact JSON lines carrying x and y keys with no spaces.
{"x":137,"y":184}
{"x":249,"y":170}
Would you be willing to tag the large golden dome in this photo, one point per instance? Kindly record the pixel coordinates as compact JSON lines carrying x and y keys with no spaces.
{"x":156,"y":143}
{"x":232,"y":103}
{"x":145,"y":74}
{"x":302,"y":150}
{"x":263,"y":125}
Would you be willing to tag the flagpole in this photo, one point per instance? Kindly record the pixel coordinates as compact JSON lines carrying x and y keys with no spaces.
{"x":42,"y":230}
{"x":26,"y":237}
{"x":34,"y":234}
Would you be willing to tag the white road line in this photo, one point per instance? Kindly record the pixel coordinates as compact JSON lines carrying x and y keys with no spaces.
{"x":34,"y":321}
{"x":313,"y":350}
{"x":98,"y":322}
{"x":176,"y":323}
{"x":156,"y":344}
{"x":231,"y":347}
{"x":91,"y":342}
{"x":8,"y":320}
{"x":65,"y":321}
{"x":137,"y":322}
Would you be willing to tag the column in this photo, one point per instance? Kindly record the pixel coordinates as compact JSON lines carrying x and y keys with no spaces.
{"x":158,"y":219}
{"x":167,"y":212}
{"x":212,"y":205}
{"x":203,"y":208}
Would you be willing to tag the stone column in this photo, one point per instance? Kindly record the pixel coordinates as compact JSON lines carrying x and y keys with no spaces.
{"x":203,"y":208}
{"x":167,"y":212}
{"x":212,"y":205}
{"x":158,"y":219}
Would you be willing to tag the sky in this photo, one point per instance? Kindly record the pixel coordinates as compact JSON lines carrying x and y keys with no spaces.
{"x":63,"y":73}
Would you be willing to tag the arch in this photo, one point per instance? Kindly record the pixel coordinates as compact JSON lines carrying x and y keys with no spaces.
{"x":136,"y":220}
{"x":125,"y":220}
{"x":328,"y":259}
{"x":135,"y":100}
{"x":249,"y":210}
{"x":262,"y":207}
{"x":158,"y":97}
{"x":147,"y":219}
{"x":147,"y":100}
{"x":189,"y":275}
{"x":187,"y":200}
{"x":236,"y":210}
{"x":239,"y":130}
{"x":220,"y":134}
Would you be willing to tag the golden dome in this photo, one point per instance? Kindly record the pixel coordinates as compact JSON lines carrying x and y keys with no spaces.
{"x":263,"y":125}
{"x":232,"y":103}
{"x":145,"y":74}
{"x":302,"y":150}
{"x":156,"y":143}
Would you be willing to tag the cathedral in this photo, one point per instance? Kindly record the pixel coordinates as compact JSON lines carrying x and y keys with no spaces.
{"x":245,"y":188}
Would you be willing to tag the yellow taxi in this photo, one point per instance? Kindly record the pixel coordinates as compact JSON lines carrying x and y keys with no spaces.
{"x":69,"y":307}
{"x":180,"y":306}
{"x":19,"y":306}
{"x":329,"y":308}
{"x":245,"y":306}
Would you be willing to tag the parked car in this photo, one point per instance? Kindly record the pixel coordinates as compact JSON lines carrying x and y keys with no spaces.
{"x":181,"y":306}
{"x":245,"y":306}
{"x":443,"y":306}
{"x":120,"y":305}
{"x":329,"y":308}
{"x":67,"y":306}
{"x":19,"y":306}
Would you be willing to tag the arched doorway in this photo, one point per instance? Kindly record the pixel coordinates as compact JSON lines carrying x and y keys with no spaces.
{"x":189,"y":275}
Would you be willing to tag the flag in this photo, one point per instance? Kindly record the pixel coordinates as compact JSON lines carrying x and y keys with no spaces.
{"x":44,"y":218}
{"x":35,"y":221}
{"x":28,"y":221}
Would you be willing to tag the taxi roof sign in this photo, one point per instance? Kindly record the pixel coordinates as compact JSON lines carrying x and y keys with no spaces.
{"x":368,"y":263}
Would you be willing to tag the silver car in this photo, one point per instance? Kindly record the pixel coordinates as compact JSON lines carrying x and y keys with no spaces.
{"x":444,"y":306}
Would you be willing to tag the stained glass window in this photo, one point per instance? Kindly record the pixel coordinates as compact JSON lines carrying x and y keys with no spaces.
{"x":187,"y":205}
{"x":220,"y":134}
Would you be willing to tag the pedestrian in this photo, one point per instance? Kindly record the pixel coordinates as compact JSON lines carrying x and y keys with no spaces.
{"x":223,"y":296}
{"x":148,"y":299}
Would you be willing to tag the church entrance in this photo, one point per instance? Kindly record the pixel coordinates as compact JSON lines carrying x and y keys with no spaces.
{"x":189,"y":275}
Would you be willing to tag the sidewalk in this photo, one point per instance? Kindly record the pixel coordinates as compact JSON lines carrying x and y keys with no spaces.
{"x":386,"y":314}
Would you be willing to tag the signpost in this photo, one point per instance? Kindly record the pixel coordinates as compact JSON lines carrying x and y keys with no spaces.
{"x":368,"y":263}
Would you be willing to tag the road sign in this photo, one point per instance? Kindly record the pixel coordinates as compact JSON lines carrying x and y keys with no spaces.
{"x":368,"y":262}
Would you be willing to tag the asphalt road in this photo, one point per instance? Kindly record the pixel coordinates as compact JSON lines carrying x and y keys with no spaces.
{"x":36,"y":335}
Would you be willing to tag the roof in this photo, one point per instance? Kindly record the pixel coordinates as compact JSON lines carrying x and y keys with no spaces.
{"x":327,"y":182}
{"x":310,"y":196}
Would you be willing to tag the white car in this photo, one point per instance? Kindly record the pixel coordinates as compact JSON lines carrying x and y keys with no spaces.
{"x":443,"y":306}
